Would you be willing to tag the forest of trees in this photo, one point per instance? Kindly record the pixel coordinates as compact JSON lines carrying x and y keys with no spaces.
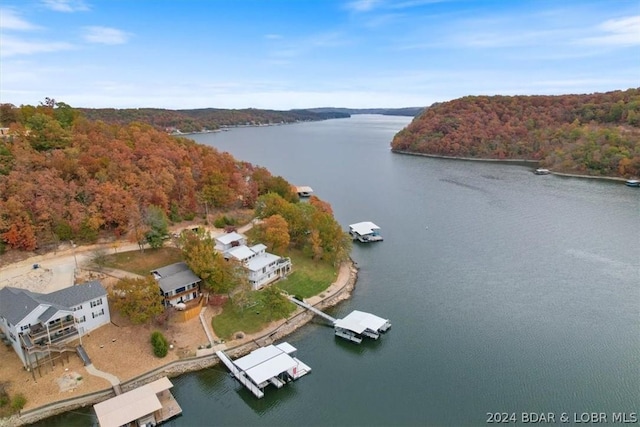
{"x":204,"y":119}
{"x":596,"y":134}
{"x":65,"y":177}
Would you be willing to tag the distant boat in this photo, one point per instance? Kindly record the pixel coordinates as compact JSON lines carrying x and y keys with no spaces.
{"x":541,"y":171}
{"x":632,"y":183}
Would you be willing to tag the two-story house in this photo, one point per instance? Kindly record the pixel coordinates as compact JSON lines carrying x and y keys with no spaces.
{"x":178,"y":284}
{"x":262,"y":267}
{"x":37,"y":324}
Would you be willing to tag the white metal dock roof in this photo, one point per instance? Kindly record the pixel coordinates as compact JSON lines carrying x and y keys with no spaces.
{"x":304,"y":189}
{"x":359,"y":321}
{"x":130,"y":406}
{"x":362,"y":228}
{"x":266,"y":362}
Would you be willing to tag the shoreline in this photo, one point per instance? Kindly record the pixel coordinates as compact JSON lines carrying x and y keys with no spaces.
{"x":523,"y":162}
{"x":335,"y":293}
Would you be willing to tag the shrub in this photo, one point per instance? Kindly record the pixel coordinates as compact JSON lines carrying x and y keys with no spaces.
{"x":18,"y":402}
{"x":160,"y":344}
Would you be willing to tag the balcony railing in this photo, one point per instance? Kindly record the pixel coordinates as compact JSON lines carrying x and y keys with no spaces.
{"x":39,"y":330}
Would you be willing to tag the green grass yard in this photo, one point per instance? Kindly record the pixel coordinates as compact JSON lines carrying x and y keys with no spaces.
{"x":143,"y":262}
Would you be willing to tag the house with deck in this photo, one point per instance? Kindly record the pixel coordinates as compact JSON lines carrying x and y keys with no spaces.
{"x":262,"y":267}
{"x":178,"y":284}
{"x":36,"y":325}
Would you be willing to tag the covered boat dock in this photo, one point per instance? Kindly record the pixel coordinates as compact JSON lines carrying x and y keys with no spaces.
{"x":273,"y":364}
{"x":358,"y":324}
{"x":150,"y":404}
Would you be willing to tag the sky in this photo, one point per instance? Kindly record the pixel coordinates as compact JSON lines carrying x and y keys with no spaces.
{"x":286,"y":54}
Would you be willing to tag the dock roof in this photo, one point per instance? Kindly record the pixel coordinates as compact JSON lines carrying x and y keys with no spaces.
{"x":359,"y":321}
{"x":362,"y":228}
{"x":130,"y":406}
{"x":265,"y":363}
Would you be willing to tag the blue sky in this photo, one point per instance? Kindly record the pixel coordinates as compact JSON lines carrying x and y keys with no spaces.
{"x":281,"y":54}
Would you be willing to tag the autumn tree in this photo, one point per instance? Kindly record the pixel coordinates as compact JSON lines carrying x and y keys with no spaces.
{"x":138,"y":299}
{"x":274,"y":232}
{"x":218,"y":275}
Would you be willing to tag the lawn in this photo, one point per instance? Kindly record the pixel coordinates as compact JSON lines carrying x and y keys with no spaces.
{"x":143,"y":262}
{"x":308,"y":279}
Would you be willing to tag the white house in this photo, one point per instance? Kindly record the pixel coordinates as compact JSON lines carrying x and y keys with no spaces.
{"x":262,"y":266}
{"x":178,"y":284}
{"x":226,"y":241}
{"x":36,"y":324}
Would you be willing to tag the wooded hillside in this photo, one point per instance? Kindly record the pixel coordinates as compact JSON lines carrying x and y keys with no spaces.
{"x":204,"y":119}
{"x":596,"y":134}
{"x":63,"y":177}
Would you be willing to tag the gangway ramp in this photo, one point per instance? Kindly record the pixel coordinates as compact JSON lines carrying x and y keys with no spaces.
{"x":313,"y":309}
{"x":240,"y":376}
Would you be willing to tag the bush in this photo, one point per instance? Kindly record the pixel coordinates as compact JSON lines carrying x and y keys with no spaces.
{"x":223,"y":221}
{"x":160,"y":344}
{"x":18,"y":402}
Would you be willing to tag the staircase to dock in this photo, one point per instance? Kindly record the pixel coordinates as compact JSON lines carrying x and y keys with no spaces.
{"x":312,"y":309}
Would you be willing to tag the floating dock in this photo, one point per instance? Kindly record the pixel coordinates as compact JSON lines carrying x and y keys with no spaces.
{"x":353,"y":327}
{"x":273,"y":364}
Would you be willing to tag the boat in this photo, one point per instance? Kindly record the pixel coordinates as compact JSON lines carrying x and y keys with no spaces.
{"x":541,"y":171}
{"x":632,"y":183}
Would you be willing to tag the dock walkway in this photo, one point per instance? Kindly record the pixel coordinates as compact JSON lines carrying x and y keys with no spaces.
{"x":240,"y":376}
{"x":313,"y":309}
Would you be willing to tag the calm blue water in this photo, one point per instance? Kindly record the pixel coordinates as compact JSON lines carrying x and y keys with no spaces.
{"x":508,"y":292}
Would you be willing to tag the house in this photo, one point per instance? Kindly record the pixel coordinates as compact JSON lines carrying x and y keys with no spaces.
{"x":262,"y":266}
{"x":37,"y":324}
{"x":178,"y":284}
{"x":148,"y":405}
{"x":224,"y":242}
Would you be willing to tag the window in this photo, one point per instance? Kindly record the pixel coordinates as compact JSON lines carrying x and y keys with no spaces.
{"x":82,"y":319}
{"x":96,"y":303}
{"x":77,"y":308}
{"x":182,"y":289}
{"x":97,"y":314}
{"x":24,"y":328}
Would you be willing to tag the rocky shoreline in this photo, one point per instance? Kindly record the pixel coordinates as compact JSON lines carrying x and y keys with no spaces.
{"x":337,"y":292}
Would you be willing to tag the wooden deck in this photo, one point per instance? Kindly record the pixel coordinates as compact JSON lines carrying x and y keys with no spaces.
{"x":170,"y":407}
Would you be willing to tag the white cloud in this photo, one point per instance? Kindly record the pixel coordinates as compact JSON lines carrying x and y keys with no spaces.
{"x":9,"y":20}
{"x":66,"y":5}
{"x":617,"y":32}
{"x":11,"y":46}
{"x":105,"y":35}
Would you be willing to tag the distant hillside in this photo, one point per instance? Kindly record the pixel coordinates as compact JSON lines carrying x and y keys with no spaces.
{"x":408,"y":111}
{"x":203,"y":119}
{"x":596,"y":134}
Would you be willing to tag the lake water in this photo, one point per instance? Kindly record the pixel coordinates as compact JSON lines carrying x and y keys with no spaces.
{"x":507,"y":291}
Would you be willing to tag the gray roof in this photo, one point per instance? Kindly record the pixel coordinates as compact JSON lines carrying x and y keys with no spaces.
{"x":178,"y":280}
{"x":16,"y":303}
{"x":169,"y":270}
{"x":76,"y":295}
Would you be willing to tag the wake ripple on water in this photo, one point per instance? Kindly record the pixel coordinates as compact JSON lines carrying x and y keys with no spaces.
{"x":611,"y":267}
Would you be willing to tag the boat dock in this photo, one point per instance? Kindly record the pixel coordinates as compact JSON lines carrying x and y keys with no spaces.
{"x":353,"y":327}
{"x":150,"y":404}
{"x":273,"y":364}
